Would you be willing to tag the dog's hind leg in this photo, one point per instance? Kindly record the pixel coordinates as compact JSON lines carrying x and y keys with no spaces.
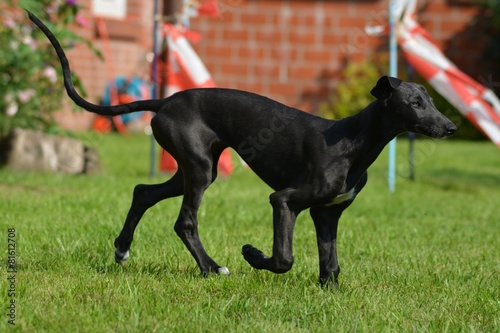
{"x":145,"y":196}
{"x":196,"y":149}
{"x":202,"y":174}
{"x":186,"y":228}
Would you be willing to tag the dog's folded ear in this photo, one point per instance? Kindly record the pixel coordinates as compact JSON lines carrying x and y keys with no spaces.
{"x":385,"y":86}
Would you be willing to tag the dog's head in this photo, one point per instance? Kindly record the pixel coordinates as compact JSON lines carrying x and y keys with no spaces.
{"x":412,"y":106}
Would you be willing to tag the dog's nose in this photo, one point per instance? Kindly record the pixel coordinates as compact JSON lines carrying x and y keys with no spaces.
{"x":451,"y":129}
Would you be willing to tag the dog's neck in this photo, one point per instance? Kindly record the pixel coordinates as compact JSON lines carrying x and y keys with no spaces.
{"x":376,"y":127}
{"x":380,"y":123}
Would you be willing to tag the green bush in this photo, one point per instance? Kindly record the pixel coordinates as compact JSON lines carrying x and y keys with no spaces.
{"x":352,"y":94}
{"x":29,"y":72}
{"x":492,"y":28}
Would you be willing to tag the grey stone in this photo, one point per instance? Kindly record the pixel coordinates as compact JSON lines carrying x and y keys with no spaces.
{"x":28,"y":150}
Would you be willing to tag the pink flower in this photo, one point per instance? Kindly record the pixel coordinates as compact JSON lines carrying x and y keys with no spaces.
{"x":71,"y":2}
{"x":9,"y":22}
{"x":26,"y":95}
{"x":82,"y":21}
{"x":50,"y":73}
{"x":52,"y":8}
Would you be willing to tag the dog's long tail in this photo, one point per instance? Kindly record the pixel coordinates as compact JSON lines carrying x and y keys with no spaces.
{"x":150,"y":105}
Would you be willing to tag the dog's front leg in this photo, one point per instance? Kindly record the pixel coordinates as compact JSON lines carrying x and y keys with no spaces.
{"x":284,"y":216}
{"x":326,"y":219}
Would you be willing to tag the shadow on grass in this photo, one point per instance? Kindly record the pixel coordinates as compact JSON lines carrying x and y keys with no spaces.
{"x":150,"y":268}
{"x":462,"y":180}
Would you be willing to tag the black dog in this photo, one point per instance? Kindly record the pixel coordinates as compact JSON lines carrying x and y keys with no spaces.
{"x":310,"y":162}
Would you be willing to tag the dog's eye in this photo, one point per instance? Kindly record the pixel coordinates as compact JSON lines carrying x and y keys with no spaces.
{"x":415,"y":104}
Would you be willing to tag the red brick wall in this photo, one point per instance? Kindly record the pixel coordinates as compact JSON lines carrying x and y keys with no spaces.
{"x":291,"y":50}
{"x":287,"y":50}
{"x":129,"y":43}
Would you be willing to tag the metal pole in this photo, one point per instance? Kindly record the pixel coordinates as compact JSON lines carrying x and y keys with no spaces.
{"x":186,"y":17}
{"x":154,"y":78}
{"x":393,"y":71}
{"x":411,"y":136}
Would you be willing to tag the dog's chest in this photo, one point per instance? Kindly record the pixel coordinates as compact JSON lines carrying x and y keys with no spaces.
{"x":342,"y":198}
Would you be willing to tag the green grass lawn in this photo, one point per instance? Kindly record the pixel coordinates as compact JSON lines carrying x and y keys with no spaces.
{"x":423,"y":259}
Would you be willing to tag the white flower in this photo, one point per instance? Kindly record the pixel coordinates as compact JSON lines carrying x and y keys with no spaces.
{"x":28,"y":40}
{"x":26,"y":95}
{"x":14,"y":45}
{"x":12,"y":108}
{"x":50,"y":73}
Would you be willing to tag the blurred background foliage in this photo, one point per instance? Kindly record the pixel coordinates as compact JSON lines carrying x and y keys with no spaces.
{"x":352,"y":93}
{"x":30,"y":74}
{"x":492,"y":27}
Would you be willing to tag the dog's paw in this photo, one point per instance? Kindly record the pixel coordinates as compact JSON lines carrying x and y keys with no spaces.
{"x":329,"y":283}
{"x":253,"y":256}
{"x":223,"y":271}
{"x":121,"y":257}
